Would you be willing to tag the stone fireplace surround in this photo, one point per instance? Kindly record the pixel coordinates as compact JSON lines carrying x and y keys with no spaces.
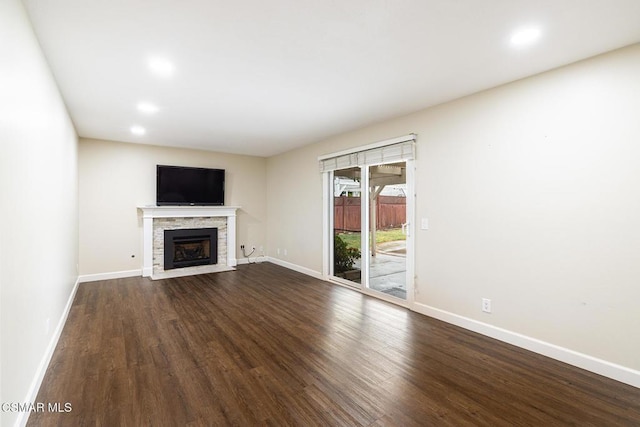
{"x":156,"y":219}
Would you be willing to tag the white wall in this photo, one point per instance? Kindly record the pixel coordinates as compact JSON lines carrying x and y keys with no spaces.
{"x":116,"y":177}
{"x":531,"y":191}
{"x":38,"y":208}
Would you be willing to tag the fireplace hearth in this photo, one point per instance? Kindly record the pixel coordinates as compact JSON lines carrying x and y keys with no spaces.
{"x":190,"y":247}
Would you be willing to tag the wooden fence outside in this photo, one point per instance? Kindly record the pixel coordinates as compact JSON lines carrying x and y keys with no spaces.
{"x":391,"y":213}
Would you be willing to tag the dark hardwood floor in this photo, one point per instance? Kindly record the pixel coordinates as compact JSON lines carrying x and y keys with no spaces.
{"x":268,"y":346}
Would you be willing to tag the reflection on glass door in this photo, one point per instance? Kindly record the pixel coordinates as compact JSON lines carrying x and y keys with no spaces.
{"x":347,"y":226}
{"x":388,"y":226}
{"x":370,"y":228}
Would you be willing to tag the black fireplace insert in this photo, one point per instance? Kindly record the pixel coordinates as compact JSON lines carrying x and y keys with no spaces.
{"x":188,"y":247}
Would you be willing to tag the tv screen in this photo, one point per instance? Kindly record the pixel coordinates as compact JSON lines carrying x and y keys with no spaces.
{"x":179,"y":185}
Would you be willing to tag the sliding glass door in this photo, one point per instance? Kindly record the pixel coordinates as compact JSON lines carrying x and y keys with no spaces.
{"x":368,"y":203}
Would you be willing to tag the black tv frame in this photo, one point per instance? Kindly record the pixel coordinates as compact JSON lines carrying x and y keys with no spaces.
{"x":183,"y":195}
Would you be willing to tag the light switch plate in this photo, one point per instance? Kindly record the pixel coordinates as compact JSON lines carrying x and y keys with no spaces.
{"x":424,"y":224}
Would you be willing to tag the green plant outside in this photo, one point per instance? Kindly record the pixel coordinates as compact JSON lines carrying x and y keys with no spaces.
{"x":344,"y":256}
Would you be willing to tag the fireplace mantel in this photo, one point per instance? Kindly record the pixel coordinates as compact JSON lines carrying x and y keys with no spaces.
{"x":149,"y":213}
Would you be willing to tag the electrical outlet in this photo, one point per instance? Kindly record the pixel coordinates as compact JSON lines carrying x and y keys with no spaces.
{"x":241,"y":246}
{"x":486,"y":305}
{"x":253,"y":248}
{"x":285,"y":252}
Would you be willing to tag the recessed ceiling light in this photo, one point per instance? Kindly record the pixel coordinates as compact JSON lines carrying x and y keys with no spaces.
{"x":161,"y":67}
{"x":147,"y":108}
{"x":138,"y":130}
{"x":525,"y":36}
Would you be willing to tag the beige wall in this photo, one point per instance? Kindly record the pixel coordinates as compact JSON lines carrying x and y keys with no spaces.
{"x":531,"y":191}
{"x":117,"y":177}
{"x":38,"y":207}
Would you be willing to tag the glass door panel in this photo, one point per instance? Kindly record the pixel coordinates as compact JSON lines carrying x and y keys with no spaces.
{"x":347,"y":226}
{"x":387,"y":200}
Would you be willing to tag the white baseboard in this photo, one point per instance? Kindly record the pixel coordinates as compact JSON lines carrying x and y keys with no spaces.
{"x":252,"y":260}
{"x":295,"y":267}
{"x":34,"y":387}
{"x":580,"y":360}
{"x":106,"y":276}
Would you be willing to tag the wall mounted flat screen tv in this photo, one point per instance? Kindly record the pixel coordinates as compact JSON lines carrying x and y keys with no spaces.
{"x":180,"y":185}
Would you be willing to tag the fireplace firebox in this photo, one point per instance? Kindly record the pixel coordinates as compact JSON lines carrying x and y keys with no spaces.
{"x":190,"y":247}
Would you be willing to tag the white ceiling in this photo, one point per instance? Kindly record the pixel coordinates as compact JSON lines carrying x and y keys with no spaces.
{"x":261,"y":77}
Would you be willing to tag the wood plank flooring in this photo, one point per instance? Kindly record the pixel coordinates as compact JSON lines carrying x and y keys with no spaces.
{"x":268,"y":346}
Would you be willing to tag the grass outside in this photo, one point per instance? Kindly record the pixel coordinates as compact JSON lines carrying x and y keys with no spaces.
{"x":353,"y":239}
